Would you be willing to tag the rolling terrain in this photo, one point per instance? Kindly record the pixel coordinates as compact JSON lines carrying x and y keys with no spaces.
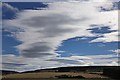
{"x":88,"y":73}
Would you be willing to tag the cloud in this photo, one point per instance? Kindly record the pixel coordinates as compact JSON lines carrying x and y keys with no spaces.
{"x":20,"y":63}
{"x":42,"y":31}
{"x":38,"y":50}
{"x":59,"y":0}
{"x":12,"y":64}
{"x":102,"y":60}
{"x":9,"y":7}
{"x":108,"y":37}
{"x":66,"y":61}
{"x":116,"y":51}
{"x":77,"y":57}
{"x":60,"y":51}
{"x":83,"y":38}
{"x":8,"y":10}
{"x":89,"y":60}
{"x":101,"y":56}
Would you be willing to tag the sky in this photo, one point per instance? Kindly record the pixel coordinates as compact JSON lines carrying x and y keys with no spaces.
{"x":59,"y":0}
{"x":39,"y":35}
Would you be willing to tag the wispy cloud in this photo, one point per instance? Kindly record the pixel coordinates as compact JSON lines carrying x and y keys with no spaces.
{"x":21,"y":64}
{"x":116,"y":51}
{"x":67,"y":61}
{"x":42,"y":31}
{"x":59,"y":0}
{"x":108,"y":37}
{"x":8,"y":11}
{"x":9,"y":7}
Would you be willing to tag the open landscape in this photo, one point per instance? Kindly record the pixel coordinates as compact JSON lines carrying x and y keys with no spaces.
{"x":63,"y":73}
{"x":59,"y":40}
{"x":51,"y":76}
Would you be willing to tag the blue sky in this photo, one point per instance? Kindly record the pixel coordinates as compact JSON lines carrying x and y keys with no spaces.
{"x":59,"y":34}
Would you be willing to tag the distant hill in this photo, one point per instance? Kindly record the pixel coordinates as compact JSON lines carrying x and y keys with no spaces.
{"x":5,"y":72}
{"x":74,"y":69}
{"x":110,"y":71}
{"x":68,"y":69}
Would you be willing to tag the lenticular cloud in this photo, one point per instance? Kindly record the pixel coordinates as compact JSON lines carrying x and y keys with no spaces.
{"x":42,"y":31}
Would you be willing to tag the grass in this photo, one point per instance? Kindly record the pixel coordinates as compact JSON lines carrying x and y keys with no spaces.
{"x":52,"y":79}
{"x":51,"y":76}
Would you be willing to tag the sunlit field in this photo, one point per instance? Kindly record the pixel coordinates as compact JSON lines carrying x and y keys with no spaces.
{"x":53,"y":79}
{"x":51,"y":76}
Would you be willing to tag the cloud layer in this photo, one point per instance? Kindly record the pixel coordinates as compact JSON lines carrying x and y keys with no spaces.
{"x":58,"y":0}
{"x":43,"y":31}
{"x":12,"y":62}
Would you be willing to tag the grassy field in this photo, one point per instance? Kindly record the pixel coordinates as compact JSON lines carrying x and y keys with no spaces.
{"x":51,"y":76}
{"x":51,"y":79}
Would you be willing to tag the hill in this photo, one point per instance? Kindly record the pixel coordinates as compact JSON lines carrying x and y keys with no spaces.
{"x":88,"y":72}
{"x":74,"y":69}
{"x":5,"y":72}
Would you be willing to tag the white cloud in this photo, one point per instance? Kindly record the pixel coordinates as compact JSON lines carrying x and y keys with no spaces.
{"x":102,"y":56}
{"x":8,"y":7}
{"x":23,"y":64}
{"x":108,"y":37}
{"x":83,"y":38}
{"x":116,"y":51}
{"x":58,"y":0}
{"x":42,"y":31}
{"x":20,"y":63}
{"x":60,"y":51}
